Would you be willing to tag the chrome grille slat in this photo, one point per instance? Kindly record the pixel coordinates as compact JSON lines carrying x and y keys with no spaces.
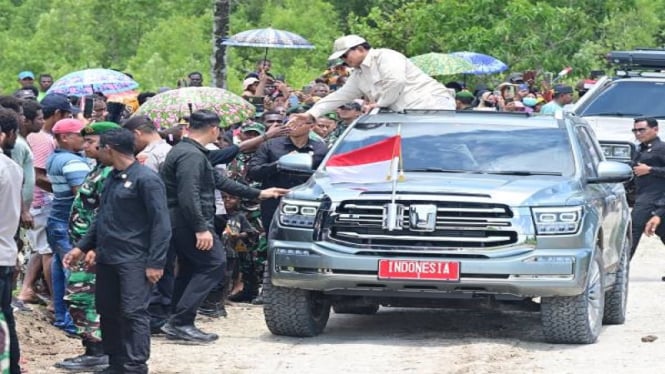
{"x":472,"y":210}
{"x":458,"y":224}
{"x":429,"y":238}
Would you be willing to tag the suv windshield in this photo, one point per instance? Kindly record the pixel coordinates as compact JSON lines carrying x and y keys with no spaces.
{"x":479,"y":148}
{"x":627,"y":99}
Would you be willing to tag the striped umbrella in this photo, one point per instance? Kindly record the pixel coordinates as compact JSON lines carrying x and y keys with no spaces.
{"x":482,"y":64}
{"x":268,"y":38}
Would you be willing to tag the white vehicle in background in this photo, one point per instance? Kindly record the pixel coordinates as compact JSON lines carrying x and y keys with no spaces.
{"x":611,"y":105}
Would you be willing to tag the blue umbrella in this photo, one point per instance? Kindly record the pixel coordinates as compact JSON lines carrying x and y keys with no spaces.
{"x":482,"y":64}
{"x":268,"y":38}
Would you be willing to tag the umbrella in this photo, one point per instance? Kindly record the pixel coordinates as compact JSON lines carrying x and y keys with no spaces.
{"x":482,"y":64}
{"x":167,"y":107}
{"x":89,"y":81}
{"x":435,"y":64}
{"x":268,"y":38}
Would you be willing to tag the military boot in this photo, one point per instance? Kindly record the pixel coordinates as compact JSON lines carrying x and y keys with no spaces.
{"x":93,"y":359}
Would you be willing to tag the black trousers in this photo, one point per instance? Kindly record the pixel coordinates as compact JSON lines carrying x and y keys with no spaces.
{"x":122,"y":300}
{"x":268,"y":209}
{"x":198,"y":273}
{"x":6,"y":276}
{"x":641,"y":214}
{"x":159,"y":308}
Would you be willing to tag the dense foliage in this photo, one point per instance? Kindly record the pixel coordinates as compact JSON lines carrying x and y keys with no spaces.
{"x":161,"y":41}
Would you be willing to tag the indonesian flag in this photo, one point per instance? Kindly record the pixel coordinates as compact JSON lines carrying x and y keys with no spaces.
{"x":374,"y":163}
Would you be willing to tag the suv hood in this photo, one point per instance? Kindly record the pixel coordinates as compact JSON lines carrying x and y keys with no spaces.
{"x":616,"y":129}
{"x":505,"y":189}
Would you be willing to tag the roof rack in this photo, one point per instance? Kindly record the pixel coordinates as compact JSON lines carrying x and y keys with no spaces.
{"x":638,"y":58}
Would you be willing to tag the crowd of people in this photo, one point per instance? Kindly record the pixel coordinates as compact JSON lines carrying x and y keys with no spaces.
{"x":129,"y":230}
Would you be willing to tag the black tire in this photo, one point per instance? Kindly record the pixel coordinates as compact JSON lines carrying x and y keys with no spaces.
{"x":341,"y":308}
{"x":294,"y":312}
{"x":616,"y":298}
{"x":577,"y":319}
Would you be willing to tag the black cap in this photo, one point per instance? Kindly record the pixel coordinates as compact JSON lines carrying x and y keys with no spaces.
{"x":562,"y":89}
{"x":351,"y":105}
{"x":59,"y":102}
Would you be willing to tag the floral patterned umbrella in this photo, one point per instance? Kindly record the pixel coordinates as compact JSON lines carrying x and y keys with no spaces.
{"x":435,"y":64}
{"x":167,"y":107}
{"x":89,"y":81}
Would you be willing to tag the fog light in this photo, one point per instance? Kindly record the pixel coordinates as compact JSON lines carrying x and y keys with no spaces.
{"x":292,"y":252}
{"x":552,"y":259}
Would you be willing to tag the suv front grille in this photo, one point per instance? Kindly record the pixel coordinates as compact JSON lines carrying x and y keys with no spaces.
{"x":458,"y":225}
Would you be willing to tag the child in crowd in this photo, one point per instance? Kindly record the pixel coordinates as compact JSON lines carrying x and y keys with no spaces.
{"x":237,"y":235}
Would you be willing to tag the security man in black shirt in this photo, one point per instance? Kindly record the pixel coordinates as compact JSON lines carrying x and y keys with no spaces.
{"x":128,"y":240}
{"x":190,"y":182}
{"x":263,"y":166}
{"x":649,"y":169}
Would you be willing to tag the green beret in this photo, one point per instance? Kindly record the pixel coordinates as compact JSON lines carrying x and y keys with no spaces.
{"x":98,"y":128}
{"x":331,"y":115}
{"x":464,"y":95}
{"x":254,"y":126}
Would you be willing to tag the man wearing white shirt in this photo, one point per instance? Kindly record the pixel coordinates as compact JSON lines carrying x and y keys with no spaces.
{"x":384,"y":77}
{"x":11,"y":180}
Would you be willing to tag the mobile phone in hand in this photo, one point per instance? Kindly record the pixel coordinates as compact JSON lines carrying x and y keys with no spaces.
{"x":88,"y":105}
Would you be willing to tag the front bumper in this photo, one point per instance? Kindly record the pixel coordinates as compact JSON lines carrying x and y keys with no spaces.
{"x":517,"y":271}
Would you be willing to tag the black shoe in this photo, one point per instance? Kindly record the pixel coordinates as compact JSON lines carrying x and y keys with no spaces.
{"x":84,"y":363}
{"x":168,"y":329}
{"x":188,"y":333}
{"x":213,"y":311}
{"x":156,"y":326}
{"x":73,"y":358}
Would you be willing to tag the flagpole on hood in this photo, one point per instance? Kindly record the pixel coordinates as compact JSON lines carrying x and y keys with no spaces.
{"x":394,"y":211}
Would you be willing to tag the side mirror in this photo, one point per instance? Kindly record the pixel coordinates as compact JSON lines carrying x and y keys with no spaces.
{"x":296,"y":163}
{"x":612,"y":172}
{"x":569,"y":108}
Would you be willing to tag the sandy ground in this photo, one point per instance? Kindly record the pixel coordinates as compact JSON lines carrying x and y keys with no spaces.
{"x":403,"y":340}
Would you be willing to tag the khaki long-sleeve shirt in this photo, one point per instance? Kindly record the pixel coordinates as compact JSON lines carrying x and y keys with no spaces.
{"x":390,"y":80}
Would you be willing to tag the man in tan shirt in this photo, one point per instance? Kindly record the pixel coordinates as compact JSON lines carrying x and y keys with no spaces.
{"x":385,"y":78}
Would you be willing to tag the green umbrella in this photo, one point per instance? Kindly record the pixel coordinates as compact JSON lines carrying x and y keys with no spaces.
{"x":167,"y":107}
{"x":435,"y":64}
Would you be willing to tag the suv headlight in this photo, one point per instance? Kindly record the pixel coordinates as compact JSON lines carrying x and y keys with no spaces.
{"x":298,"y":213}
{"x":616,"y":151}
{"x":557,"y":220}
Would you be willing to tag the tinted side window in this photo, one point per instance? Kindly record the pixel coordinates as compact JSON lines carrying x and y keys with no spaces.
{"x":590,"y":153}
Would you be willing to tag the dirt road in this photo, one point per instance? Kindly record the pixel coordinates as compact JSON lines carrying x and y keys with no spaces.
{"x":406,"y":340}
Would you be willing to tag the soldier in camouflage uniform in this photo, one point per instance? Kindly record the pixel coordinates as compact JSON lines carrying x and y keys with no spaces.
{"x":80,"y":294}
{"x":251,"y":262}
{"x":346,"y":113}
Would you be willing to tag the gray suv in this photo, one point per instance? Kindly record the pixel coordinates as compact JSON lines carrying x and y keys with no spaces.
{"x":492,"y":205}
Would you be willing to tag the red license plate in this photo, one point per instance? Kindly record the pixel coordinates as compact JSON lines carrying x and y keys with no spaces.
{"x":415,"y":269}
